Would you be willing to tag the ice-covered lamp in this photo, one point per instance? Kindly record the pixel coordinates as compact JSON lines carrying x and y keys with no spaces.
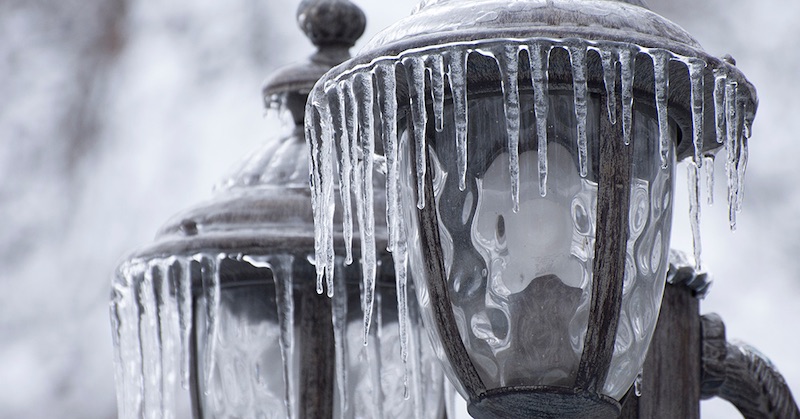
{"x":530,"y":150}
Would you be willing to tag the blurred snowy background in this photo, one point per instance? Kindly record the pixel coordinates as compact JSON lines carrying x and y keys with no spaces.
{"x":117,"y":114}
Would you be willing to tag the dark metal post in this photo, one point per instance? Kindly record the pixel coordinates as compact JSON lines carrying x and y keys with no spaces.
{"x":670,"y":385}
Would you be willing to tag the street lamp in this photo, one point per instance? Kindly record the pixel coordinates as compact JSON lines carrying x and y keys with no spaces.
{"x":226,"y":303}
{"x":530,"y":149}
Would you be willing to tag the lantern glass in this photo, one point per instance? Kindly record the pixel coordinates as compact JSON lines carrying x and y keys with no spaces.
{"x":247,"y":373}
{"x":520,"y":281}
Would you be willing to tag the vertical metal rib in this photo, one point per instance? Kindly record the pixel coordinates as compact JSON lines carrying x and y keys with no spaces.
{"x":440,"y":298}
{"x":609,"y":256}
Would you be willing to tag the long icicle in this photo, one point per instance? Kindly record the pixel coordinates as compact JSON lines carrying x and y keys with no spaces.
{"x":209,"y":272}
{"x":539,"y":57}
{"x":508,"y":60}
{"x":457,"y":74}
{"x":661,"y":72}
{"x":339,"y":322}
{"x":415,"y":77}
{"x":400,"y":256}
{"x":720,"y":83}
{"x":608,"y":57}
{"x":694,"y":210}
{"x":709,"y":166}
{"x":627,"y":64}
{"x":185,"y":316}
{"x":731,"y":148}
{"x":435,"y":66}
{"x":151,"y":345}
{"x":345,"y":170}
{"x":281,"y":268}
{"x":327,"y":154}
{"x":284,"y":298}
{"x":696,"y":68}
{"x":317,"y":198}
{"x":388,"y":111}
{"x":577,"y":54}
{"x":168,"y":317}
{"x":366,"y":133}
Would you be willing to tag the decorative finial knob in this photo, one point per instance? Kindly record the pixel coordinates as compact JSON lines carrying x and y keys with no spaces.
{"x":331,"y":23}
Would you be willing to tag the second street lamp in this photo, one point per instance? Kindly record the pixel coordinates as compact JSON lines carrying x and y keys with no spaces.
{"x":530,"y":150}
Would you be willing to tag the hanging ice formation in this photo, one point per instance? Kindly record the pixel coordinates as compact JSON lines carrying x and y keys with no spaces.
{"x":429,"y":71}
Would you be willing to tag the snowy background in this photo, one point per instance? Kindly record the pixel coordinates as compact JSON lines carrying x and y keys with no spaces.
{"x":117,"y":114}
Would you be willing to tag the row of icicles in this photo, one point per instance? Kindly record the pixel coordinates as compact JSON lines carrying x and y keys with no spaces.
{"x":153,"y":319}
{"x":341,"y":119}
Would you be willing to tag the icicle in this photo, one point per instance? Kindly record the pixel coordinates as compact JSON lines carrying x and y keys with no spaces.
{"x":696,"y":68}
{"x":637,"y":384}
{"x":168,"y":316}
{"x":709,"y":166}
{"x":317,"y":198}
{"x":126,"y":322}
{"x":339,"y":321}
{"x":209,"y":272}
{"x":508,"y":60}
{"x":539,"y":62}
{"x":366,"y":215}
{"x":185,"y":322}
{"x":577,"y":55}
{"x":415,"y":74}
{"x":400,"y":257}
{"x":743,"y":151}
{"x":282,"y":277}
{"x":374,"y":361}
{"x":661,"y":73}
{"x":720,"y":83}
{"x":627,"y":63}
{"x":435,"y":66}
{"x":116,"y":309}
{"x":694,"y":210}
{"x":327,"y":153}
{"x":457,"y":74}
{"x":151,"y":345}
{"x":415,"y":349}
{"x":345,"y":169}
{"x":732,"y":149}
{"x":388,"y":109}
{"x":610,"y":81}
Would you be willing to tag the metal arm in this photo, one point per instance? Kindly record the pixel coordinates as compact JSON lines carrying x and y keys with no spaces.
{"x":741,"y":375}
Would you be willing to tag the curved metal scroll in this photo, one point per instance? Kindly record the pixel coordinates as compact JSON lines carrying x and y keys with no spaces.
{"x":741,"y":375}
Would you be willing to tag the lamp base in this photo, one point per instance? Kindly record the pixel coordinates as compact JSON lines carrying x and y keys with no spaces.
{"x":543,"y":402}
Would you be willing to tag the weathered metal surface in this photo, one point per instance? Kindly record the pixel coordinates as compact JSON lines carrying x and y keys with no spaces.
{"x":671,"y":375}
{"x":609,"y":256}
{"x":741,"y":375}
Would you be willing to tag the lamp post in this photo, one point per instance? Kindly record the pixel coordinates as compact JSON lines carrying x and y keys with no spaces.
{"x":530,"y":149}
{"x":226,"y":303}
